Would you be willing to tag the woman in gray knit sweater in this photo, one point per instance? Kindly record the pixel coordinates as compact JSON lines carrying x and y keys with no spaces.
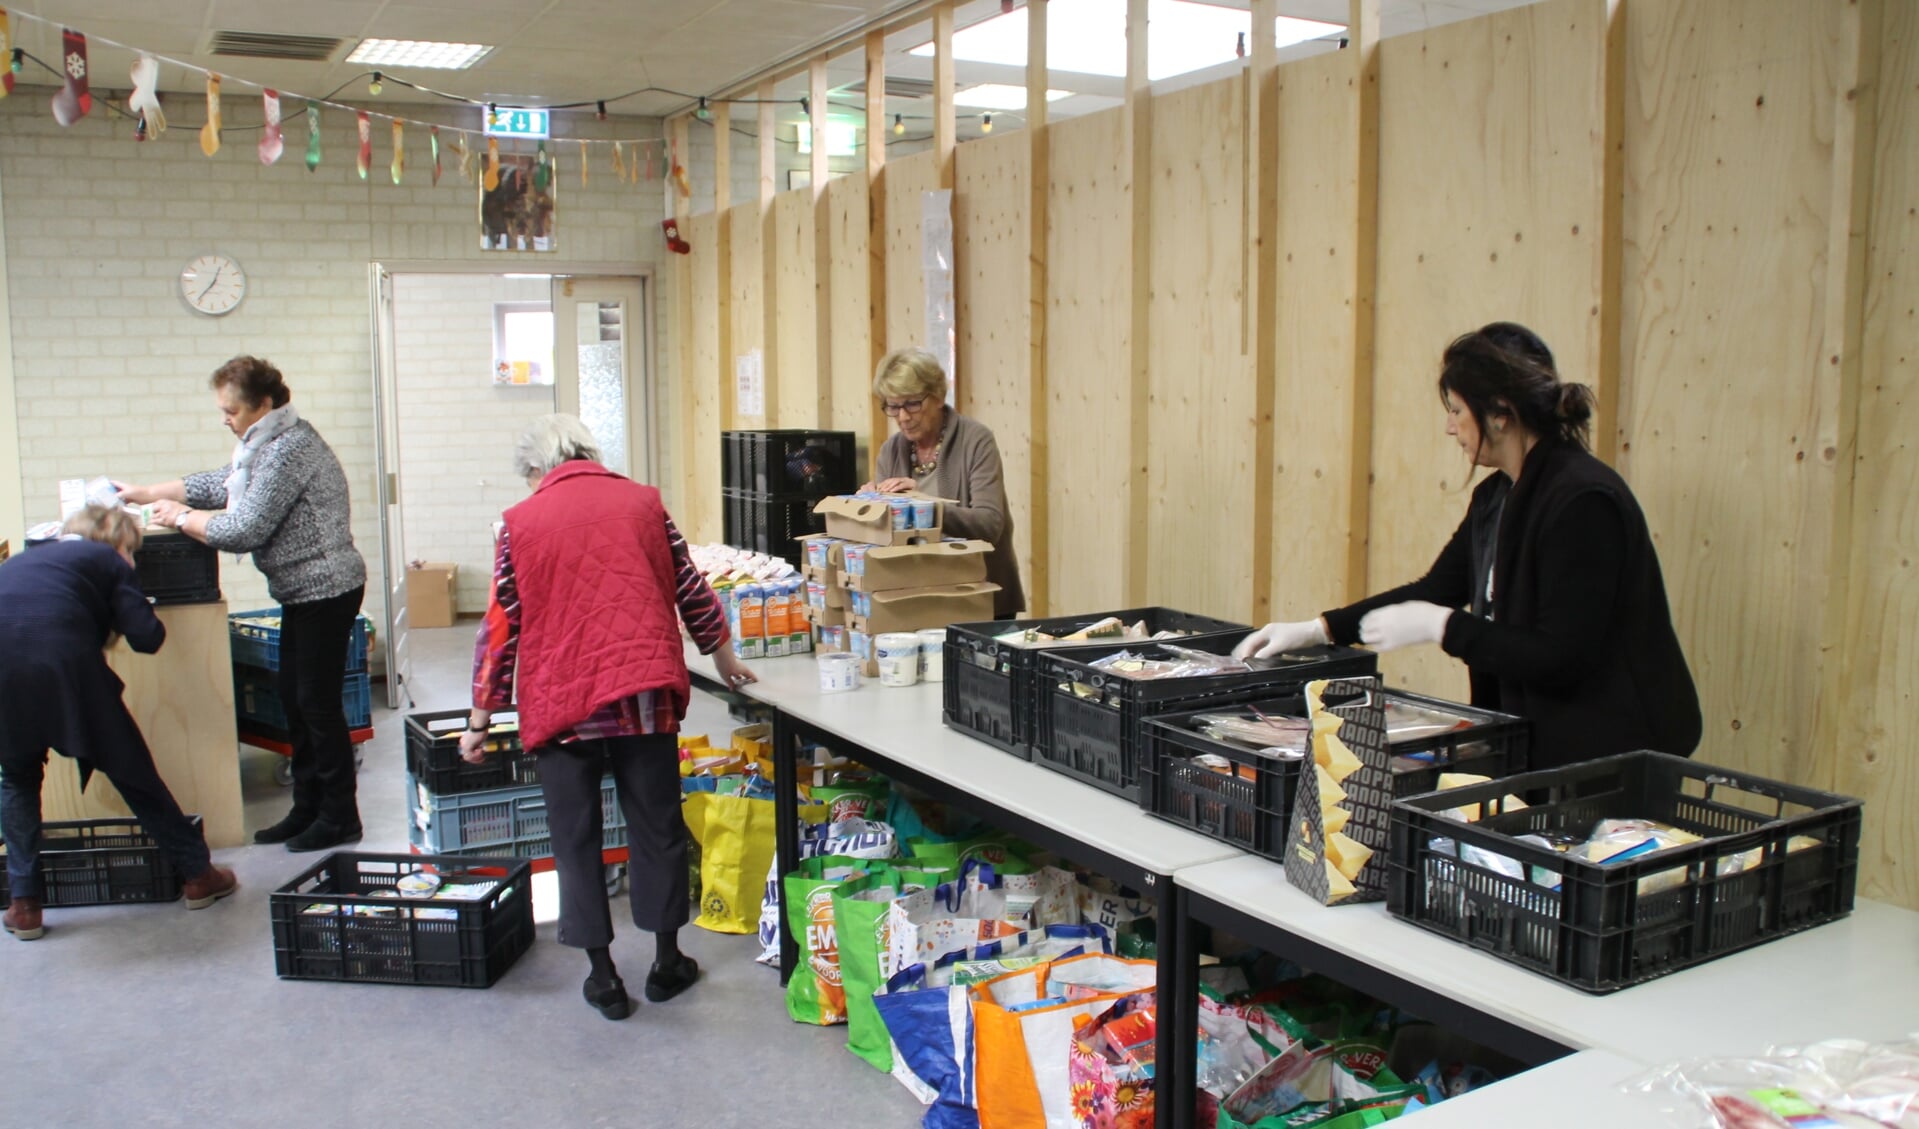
{"x":285,"y":501}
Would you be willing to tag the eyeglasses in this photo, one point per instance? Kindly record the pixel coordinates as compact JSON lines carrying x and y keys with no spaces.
{"x":905,"y":407}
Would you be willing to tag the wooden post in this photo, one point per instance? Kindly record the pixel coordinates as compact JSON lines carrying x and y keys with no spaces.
{"x":683,"y":317}
{"x":945,"y":127}
{"x":876,"y":135}
{"x":1139,"y":142}
{"x":822,"y":246}
{"x":1363,"y":38}
{"x":722,"y":157}
{"x":1854,"y":149}
{"x":723,"y":247}
{"x":1612,"y":234}
{"x":769,"y":154}
{"x":1262,"y":152}
{"x":1039,"y":398}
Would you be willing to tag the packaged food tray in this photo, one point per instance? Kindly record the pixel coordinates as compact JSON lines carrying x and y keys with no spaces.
{"x":94,"y":862}
{"x":257,"y":644}
{"x":433,"y":754}
{"x":1089,"y":721}
{"x":506,"y":821}
{"x":339,"y":920}
{"x":1773,"y":859}
{"x":990,"y":690}
{"x":1249,"y":806}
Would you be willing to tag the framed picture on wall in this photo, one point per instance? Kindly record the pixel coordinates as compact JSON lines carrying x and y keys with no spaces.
{"x":515,"y":215}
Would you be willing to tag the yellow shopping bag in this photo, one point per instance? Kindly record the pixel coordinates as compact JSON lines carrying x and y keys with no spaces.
{"x":735,"y":835}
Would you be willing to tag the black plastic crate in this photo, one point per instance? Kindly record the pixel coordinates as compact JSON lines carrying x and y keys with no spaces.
{"x":175,"y":569}
{"x":769,"y":525}
{"x":433,"y":756}
{"x":1599,"y":931}
{"x":1250,"y":807}
{"x":790,"y":464}
{"x":96,"y":862}
{"x":1088,"y":722}
{"x":990,"y":688}
{"x":341,"y":921}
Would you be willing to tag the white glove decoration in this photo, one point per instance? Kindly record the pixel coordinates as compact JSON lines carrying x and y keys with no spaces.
{"x":1277,"y":638}
{"x":1404,"y":625}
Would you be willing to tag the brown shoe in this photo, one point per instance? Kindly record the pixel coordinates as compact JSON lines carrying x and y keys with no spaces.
{"x":23,"y":919}
{"x":210,"y":887}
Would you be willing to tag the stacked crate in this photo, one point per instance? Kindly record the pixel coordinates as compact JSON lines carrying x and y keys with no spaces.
{"x":771,"y":481}
{"x":255,"y":637}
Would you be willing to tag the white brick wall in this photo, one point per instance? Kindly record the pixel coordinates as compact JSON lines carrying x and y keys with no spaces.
{"x":457,"y":428}
{"x":110,"y":369}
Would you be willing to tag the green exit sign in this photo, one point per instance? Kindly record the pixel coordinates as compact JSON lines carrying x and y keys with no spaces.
{"x":516,"y":123}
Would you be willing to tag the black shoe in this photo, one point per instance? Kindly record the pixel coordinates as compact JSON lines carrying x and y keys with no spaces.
{"x":323,"y":834}
{"x":610,"y":1000}
{"x":293,"y":824}
{"x":663,"y":984}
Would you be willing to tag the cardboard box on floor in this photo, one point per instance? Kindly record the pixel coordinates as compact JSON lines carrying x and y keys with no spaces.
{"x":920,"y":566}
{"x":870,"y":521}
{"x":430,"y":588}
{"x":915,"y":609}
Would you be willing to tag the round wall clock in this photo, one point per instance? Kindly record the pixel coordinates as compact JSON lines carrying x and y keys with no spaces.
{"x":212,"y":285}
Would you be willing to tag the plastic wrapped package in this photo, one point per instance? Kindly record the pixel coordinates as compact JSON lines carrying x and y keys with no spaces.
{"x":1843,"y":1083}
{"x":1185,"y":663}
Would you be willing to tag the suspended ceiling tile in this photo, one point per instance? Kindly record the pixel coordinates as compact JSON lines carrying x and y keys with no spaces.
{"x":346,"y":19}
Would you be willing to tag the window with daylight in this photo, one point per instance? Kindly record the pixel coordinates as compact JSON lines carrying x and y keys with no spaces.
{"x":522,"y":343}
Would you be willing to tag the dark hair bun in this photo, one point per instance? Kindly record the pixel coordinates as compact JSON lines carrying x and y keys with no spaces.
{"x":255,"y":379}
{"x":1575,"y":405}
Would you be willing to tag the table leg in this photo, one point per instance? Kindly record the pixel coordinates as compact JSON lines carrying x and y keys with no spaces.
{"x":1171,"y":1096}
{"x":786,"y":837}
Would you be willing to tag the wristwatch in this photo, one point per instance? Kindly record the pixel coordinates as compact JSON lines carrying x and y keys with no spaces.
{"x":472,"y":728}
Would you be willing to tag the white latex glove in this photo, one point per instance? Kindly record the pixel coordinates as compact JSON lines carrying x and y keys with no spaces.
{"x":1276,"y":638}
{"x":1404,"y":625}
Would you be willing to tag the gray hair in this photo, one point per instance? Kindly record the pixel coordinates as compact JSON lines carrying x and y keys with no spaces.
{"x":910,"y":372}
{"x":551,"y":440}
{"x":111,"y":525}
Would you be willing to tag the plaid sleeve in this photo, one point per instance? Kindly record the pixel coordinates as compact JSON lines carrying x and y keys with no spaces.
{"x":497,"y":650}
{"x":699,"y":607}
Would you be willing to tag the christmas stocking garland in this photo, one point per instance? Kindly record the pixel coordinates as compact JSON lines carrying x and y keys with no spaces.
{"x":365,"y":161}
{"x":210,"y":132}
{"x":272,"y":142}
{"x":6,"y":49}
{"x":399,"y":151}
{"x":313,"y":137}
{"x":433,"y":143}
{"x":74,"y":101}
{"x":144,"y":102}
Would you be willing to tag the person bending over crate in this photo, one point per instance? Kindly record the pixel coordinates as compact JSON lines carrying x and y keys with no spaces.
{"x":587,"y":579}
{"x":62,"y":603}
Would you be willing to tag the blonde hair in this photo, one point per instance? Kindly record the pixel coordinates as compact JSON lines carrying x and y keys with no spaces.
{"x":907,"y":373}
{"x":111,"y":525}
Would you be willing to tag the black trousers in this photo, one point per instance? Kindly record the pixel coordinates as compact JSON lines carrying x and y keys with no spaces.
{"x":39,"y":710}
{"x":646,"y":772}
{"x":313,"y":642}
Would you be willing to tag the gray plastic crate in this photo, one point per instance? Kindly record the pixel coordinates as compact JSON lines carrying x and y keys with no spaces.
{"x":506,"y":821}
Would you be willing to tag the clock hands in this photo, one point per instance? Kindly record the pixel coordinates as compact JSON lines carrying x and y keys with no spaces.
{"x":212,"y":284}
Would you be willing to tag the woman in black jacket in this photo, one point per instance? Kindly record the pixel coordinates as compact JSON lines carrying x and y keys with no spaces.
{"x":61,"y":604}
{"x":1550,"y":590}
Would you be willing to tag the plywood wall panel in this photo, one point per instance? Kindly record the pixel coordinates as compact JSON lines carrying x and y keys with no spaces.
{"x":1088,"y":348}
{"x":907,"y":179}
{"x":792,"y":258}
{"x":1201,"y":399}
{"x":1313,"y":309}
{"x":1490,"y":167}
{"x":1874,"y":756}
{"x":698,"y":512}
{"x":849,"y":287}
{"x":747,"y":293}
{"x":991,"y":202}
{"x":1729,"y":116}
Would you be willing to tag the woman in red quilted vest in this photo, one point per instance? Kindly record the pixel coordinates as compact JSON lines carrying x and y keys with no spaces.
{"x":590,"y":584}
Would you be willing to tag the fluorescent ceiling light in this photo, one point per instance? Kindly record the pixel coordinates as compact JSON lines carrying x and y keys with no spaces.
{"x":1089,"y":37}
{"x":1000,"y":96}
{"x":417,"y":53}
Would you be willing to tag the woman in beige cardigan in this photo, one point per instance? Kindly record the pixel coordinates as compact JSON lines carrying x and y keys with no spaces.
{"x":940,"y":452}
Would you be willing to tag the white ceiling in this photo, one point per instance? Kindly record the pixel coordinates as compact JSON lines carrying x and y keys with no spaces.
{"x":555,"y":51}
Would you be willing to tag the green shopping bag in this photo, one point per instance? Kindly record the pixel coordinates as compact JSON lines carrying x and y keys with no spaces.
{"x":736,"y":846}
{"x":1004,"y":853}
{"x":815,"y":992}
{"x":859,"y":916}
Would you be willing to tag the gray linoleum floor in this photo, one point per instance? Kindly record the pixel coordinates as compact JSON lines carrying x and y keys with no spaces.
{"x":156,"y":1016}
